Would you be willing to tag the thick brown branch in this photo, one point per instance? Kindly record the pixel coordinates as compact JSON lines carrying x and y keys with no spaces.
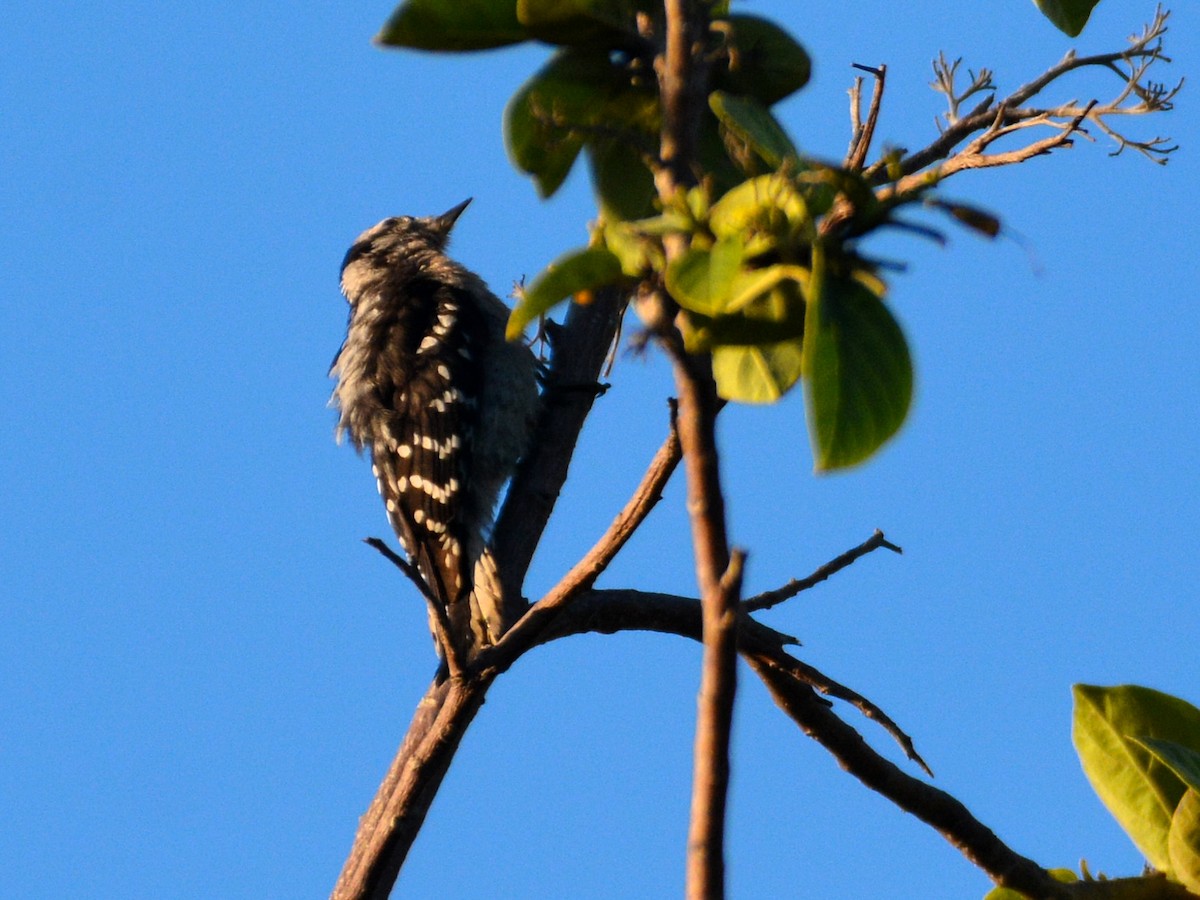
{"x":767,"y":599}
{"x":389,"y":827}
{"x":580,"y":348}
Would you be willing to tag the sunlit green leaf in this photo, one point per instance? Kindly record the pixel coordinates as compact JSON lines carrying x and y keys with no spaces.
{"x":750,"y":122}
{"x":767,"y":204}
{"x":1183,"y":844}
{"x":757,"y":284}
{"x":757,"y":374}
{"x":573,"y":273}
{"x":1068,"y":16}
{"x":701,"y":279}
{"x":636,"y":252}
{"x":1183,"y":761}
{"x":1138,"y":789}
{"x":859,"y":372}
{"x":766,"y":63}
{"x":1002,"y":893}
{"x":453,"y":25}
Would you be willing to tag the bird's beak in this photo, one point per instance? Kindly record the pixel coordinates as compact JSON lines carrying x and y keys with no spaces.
{"x":447,"y":219}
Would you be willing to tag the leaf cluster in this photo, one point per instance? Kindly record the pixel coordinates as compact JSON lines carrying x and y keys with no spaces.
{"x":771,"y":285}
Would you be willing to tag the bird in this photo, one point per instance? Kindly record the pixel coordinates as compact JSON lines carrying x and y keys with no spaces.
{"x":444,"y":404}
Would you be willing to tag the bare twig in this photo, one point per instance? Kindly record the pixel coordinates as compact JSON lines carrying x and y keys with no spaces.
{"x":791,"y":686}
{"x":583,"y":574}
{"x":997,"y":119}
{"x":860,"y":144}
{"x":933,"y":806}
{"x":767,"y":599}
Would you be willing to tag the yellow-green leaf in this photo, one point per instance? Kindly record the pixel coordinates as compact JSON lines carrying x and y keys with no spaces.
{"x":767,"y":204}
{"x":757,"y":374}
{"x":701,"y":279}
{"x":1110,"y":727}
{"x":1183,"y":844}
{"x":570,"y":274}
{"x":1066,"y":876}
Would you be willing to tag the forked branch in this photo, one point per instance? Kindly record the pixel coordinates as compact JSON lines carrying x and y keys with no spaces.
{"x":992,"y":120}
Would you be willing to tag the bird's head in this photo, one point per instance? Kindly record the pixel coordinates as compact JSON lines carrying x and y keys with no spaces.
{"x":395,"y":242}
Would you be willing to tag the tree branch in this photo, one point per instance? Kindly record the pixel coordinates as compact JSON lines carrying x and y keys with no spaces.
{"x":991,"y":117}
{"x":390,"y":825}
{"x":580,"y":349}
{"x":524,"y":634}
{"x":767,"y":599}
{"x":792,"y":687}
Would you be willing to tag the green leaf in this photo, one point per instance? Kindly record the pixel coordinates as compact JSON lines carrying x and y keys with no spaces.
{"x":1109,"y":729}
{"x":755,"y":285}
{"x":1183,"y":843}
{"x":721,"y":170}
{"x":572,"y":273}
{"x":1066,"y":876}
{"x":1068,"y":16}
{"x":750,"y":122}
{"x":453,"y":25}
{"x":757,"y":374}
{"x":860,"y":378}
{"x":1183,"y":761}
{"x":580,"y":96}
{"x":766,"y":63}
{"x":701,"y":280}
{"x":579,"y":22}
{"x":767,"y":204}
{"x":637,"y":253}
{"x":624,"y":186}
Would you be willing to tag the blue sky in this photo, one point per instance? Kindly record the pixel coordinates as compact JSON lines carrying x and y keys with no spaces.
{"x":204,"y":673}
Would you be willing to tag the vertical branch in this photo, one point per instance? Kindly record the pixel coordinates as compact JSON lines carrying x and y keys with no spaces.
{"x":682,"y":83}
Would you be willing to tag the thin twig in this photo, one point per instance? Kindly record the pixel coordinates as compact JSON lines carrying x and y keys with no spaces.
{"x":584,"y":573}
{"x":933,"y":806}
{"x":765,"y":650}
{"x":859,"y":148}
{"x":1144,"y":50}
{"x":767,"y":599}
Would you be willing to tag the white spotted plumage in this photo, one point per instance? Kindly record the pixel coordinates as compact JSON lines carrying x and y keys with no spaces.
{"x":427,"y":383}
